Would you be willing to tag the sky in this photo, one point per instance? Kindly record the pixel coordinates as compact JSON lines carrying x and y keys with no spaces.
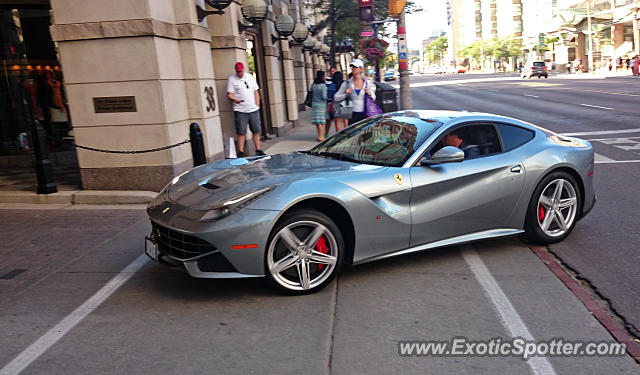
{"x":430,"y":21}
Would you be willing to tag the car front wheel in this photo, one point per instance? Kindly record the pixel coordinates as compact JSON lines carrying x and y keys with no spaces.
{"x":553,"y":210}
{"x":304,"y":252}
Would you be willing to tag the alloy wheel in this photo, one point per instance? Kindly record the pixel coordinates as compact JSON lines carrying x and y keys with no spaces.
{"x":557,"y":207}
{"x":302,"y":255}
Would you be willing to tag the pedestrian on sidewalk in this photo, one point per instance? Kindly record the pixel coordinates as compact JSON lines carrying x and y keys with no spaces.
{"x":341,"y":122}
{"x":635,"y":65}
{"x":319,"y":103}
{"x":242,"y":90}
{"x":356,"y":87}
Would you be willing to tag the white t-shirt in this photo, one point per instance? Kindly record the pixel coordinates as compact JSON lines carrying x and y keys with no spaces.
{"x":243,"y":89}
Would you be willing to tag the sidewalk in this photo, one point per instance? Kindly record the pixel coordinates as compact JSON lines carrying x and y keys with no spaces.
{"x":18,"y":186}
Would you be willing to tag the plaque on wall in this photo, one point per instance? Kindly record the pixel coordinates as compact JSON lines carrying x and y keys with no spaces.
{"x":113,"y":104}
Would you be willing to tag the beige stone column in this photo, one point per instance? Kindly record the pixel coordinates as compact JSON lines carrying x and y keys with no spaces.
{"x":316,"y":64}
{"x":636,"y":36}
{"x":580,"y":44}
{"x":308,"y":62}
{"x":152,"y":58}
{"x":300,"y":74}
{"x":618,"y":41}
{"x":274,"y":76}
{"x":290,"y":82}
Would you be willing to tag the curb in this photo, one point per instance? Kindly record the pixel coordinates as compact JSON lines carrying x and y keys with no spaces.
{"x":79,"y":197}
{"x":611,"y":325}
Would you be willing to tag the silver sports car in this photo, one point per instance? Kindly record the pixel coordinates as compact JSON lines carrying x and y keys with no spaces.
{"x":393,"y":184}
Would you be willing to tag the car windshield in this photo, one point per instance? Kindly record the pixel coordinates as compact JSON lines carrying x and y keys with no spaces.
{"x":383,"y":140}
{"x":538,"y":64}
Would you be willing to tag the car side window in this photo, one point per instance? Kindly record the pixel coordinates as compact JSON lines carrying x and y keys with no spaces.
{"x":514,"y":136}
{"x":476,"y":140}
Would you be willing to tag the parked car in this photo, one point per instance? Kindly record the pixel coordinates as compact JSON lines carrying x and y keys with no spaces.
{"x":390,"y":75}
{"x":537,"y":68}
{"x":386,"y":186}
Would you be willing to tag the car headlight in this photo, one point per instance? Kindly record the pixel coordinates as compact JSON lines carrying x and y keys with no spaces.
{"x":226,"y":208}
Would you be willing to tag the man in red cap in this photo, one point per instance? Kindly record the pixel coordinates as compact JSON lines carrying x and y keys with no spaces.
{"x":242,"y":90}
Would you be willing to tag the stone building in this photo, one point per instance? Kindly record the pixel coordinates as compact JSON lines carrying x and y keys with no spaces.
{"x":134,"y":74}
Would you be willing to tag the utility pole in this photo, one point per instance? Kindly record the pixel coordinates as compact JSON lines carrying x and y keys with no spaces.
{"x":332,"y":53}
{"x":591,"y":68}
{"x":405,"y":81}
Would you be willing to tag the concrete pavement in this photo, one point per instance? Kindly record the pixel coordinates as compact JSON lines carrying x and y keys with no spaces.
{"x":162,"y":321}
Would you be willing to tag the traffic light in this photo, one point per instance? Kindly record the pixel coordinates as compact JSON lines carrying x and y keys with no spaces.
{"x":365,"y":8}
{"x":396,"y":7}
{"x":541,"y":39}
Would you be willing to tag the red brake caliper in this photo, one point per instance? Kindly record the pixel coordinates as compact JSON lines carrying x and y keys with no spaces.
{"x":322,"y":247}
{"x":540,"y":213}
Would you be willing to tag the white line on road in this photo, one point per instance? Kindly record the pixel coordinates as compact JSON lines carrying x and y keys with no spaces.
{"x":601,"y":158}
{"x":533,"y":96}
{"x":602,"y":132}
{"x":510,"y":318}
{"x":597,"y":106}
{"x":47,"y":340}
{"x":616,"y":161}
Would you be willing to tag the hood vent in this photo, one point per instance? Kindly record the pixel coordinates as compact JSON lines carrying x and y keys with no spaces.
{"x":207,"y":184}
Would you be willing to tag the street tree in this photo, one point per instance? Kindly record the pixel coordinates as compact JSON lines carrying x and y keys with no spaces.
{"x":342,"y":19}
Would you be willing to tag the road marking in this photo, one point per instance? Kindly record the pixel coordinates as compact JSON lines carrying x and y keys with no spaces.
{"x":537,"y":84}
{"x":460,"y":81}
{"x":597,"y":106}
{"x":616,"y":161}
{"x":601,"y":158}
{"x":47,"y":340}
{"x":533,"y":96}
{"x":602,"y":132}
{"x":600,"y":92}
{"x":510,"y":318}
{"x":493,"y":90}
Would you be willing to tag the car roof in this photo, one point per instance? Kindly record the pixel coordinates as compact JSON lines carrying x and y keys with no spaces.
{"x":452,"y":118}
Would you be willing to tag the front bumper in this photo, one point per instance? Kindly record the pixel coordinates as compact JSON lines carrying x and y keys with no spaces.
{"x":228,"y":248}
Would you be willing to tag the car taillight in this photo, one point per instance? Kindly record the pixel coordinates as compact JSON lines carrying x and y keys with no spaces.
{"x":533,"y":67}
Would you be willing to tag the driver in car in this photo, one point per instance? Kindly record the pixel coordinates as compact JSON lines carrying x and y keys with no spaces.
{"x":452,"y":139}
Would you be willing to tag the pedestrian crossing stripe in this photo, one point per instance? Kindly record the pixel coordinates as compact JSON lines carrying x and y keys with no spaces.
{"x":536,"y":84}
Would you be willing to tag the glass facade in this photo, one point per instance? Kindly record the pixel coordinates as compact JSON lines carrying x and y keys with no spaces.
{"x":30,"y":79}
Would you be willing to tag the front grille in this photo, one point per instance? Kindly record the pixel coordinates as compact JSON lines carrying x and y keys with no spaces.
{"x":178,"y":245}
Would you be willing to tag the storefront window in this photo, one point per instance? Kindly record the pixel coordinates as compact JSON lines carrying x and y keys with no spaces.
{"x":30,"y":81}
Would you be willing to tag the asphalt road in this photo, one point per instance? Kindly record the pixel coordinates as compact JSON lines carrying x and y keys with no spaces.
{"x":604,"y":247}
{"x":113,"y":311}
{"x":102,"y":307}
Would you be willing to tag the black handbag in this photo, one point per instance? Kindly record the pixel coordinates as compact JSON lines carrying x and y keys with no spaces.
{"x":307,"y":100}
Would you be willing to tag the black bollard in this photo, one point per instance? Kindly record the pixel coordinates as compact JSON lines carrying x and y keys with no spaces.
{"x":197,"y":145}
{"x":44,"y":170}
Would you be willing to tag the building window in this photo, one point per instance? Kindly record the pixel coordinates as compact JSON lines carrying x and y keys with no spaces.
{"x":31,"y":80}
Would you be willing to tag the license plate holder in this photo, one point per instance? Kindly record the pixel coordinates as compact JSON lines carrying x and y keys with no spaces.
{"x":151,"y":248}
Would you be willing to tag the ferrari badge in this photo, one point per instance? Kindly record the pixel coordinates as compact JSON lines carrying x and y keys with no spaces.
{"x":398,"y":178}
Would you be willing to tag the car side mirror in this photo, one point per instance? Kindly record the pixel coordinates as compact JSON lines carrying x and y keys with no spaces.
{"x":447,"y":154}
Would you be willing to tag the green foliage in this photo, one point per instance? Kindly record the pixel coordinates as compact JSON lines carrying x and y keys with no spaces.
{"x":348,"y":22}
{"x":496,"y":48}
{"x":436,"y":50}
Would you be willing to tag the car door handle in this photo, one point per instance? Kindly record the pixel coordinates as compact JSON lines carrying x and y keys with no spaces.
{"x":516,"y":169}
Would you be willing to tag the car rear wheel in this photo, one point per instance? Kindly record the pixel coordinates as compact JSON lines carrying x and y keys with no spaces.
{"x":553,"y":210}
{"x":304,"y":252}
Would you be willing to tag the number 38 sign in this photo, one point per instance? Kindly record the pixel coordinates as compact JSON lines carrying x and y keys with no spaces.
{"x":211,"y":102}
